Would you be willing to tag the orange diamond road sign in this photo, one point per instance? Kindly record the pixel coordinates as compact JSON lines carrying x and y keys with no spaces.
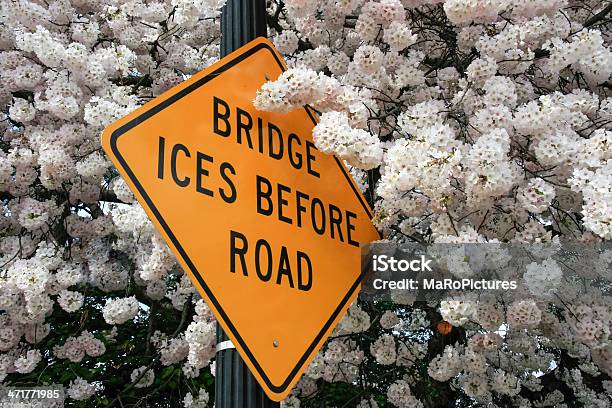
{"x":267,"y":227}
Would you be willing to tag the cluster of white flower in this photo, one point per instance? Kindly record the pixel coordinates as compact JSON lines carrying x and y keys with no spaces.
{"x":354,"y":321}
{"x":399,"y":36}
{"x":389,"y":320}
{"x":489,"y":173}
{"x":383,"y":350}
{"x":505,"y":383}
{"x":488,"y":315}
{"x":597,"y":194}
{"x":480,"y":70}
{"x":70,"y":300}
{"x":81,"y":390}
{"x":29,"y":275}
{"x":173,"y":350}
{"x":35,"y":214}
{"x":591,"y":325}
{"x":334,"y":135}
{"x":536,"y":195}
{"x":399,"y":394}
{"x":295,"y":88}
{"x":586,"y":52}
{"x":475,"y":386}
{"x":103,"y":110}
{"x":22,"y":111}
{"x":428,"y":162}
{"x":120,"y":310}
{"x":445,"y":366}
{"x":376,"y":14}
{"x":338,"y":362}
{"x":542,"y":279}
{"x":26,"y":364}
{"x":461,"y":12}
{"x":142,"y":377}
{"x":200,"y":401}
{"x":286,"y":42}
{"x":457,"y":312}
{"x":75,"y":348}
{"x":523,"y":313}
{"x":201,"y":338}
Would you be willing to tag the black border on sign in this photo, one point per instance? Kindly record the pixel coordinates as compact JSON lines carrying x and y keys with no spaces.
{"x":158,"y":108}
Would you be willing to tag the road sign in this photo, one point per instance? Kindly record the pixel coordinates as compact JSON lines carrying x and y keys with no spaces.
{"x":267,"y":227}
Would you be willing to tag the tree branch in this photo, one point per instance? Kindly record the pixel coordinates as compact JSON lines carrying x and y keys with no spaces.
{"x":105,"y":195}
{"x":599,"y":16}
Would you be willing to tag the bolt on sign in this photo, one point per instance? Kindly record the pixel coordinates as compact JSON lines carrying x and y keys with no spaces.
{"x":266,"y":226}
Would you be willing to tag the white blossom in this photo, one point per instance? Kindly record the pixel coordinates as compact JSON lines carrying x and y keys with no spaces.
{"x":80,"y":389}
{"x":120,"y":310}
{"x":142,"y":377}
{"x":70,"y":301}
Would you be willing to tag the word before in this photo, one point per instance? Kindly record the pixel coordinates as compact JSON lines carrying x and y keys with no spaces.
{"x":324,"y":219}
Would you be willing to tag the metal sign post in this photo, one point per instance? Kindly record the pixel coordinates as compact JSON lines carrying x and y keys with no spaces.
{"x":235,"y":387}
{"x":242,"y":21}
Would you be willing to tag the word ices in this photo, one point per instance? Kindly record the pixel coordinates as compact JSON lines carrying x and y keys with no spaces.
{"x":200,"y":162}
{"x":384,"y":263}
{"x":273,"y":142}
{"x":281,"y":266}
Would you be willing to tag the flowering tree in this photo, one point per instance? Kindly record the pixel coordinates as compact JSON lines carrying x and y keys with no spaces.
{"x":464,"y":121}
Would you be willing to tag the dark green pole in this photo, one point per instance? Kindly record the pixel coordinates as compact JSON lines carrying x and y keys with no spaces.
{"x":242,"y":21}
{"x":235,"y":386}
